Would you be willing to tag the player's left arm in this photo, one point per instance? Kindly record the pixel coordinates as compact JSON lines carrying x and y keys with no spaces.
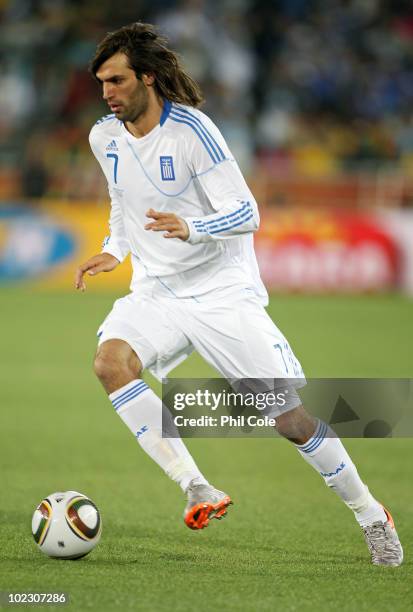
{"x":218,"y":175}
{"x":228,"y":193}
{"x":237,"y":212}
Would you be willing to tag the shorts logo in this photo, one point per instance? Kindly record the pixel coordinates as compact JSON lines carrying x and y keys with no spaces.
{"x":167,"y":168}
{"x":142,"y":431}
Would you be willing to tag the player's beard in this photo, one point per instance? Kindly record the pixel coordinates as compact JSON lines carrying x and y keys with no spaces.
{"x":136,"y":107}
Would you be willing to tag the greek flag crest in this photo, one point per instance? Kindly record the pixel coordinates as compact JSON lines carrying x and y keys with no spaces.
{"x":167,"y":168}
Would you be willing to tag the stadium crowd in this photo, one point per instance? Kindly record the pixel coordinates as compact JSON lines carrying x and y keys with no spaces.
{"x":314,"y":87}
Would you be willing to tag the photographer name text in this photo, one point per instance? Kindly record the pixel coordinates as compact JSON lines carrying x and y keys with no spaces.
{"x":224,"y":421}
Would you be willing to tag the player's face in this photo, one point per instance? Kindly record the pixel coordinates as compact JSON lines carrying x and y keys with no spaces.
{"x":125,"y":94}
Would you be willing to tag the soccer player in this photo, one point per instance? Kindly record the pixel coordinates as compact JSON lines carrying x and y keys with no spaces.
{"x":181,"y":208}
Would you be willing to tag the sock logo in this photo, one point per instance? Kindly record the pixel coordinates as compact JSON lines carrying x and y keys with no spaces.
{"x":338,"y":470}
{"x":142,"y":431}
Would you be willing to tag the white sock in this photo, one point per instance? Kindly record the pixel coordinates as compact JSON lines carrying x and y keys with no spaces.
{"x":326,"y":453}
{"x":141,"y":410}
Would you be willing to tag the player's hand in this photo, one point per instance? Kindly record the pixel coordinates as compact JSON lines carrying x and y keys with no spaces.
{"x":171,"y":224}
{"x":104,"y":262}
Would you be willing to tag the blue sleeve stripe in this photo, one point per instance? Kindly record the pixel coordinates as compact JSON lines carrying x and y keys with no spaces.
{"x":224,"y":229}
{"x":224,"y":224}
{"x":105,"y":118}
{"x":245,"y":206}
{"x":210,"y":152}
{"x":206,"y":132}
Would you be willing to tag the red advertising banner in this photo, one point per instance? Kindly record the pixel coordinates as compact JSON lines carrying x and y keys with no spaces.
{"x":335,"y":251}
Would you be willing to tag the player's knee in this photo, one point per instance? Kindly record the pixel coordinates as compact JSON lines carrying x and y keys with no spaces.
{"x":296,"y":425}
{"x":107,"y":367}
{"x":116,"y":361}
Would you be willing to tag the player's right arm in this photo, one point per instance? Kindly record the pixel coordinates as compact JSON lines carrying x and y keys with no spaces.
{"x":104,"y":262}
{"x":116,"y":245}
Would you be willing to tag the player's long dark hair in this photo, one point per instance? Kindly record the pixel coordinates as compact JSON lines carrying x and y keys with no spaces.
{"x":148,"y":53}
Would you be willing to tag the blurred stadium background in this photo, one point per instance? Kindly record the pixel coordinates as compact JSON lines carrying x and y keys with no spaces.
{"x":315,"y":98}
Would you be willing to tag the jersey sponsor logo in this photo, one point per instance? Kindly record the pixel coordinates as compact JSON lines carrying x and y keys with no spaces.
{"x":167,"y":168}
{"x":112,"y":146}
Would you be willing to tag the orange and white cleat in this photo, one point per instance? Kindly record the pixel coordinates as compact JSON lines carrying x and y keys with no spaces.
{"x":205,"y":503}
{"x":383,"y":542}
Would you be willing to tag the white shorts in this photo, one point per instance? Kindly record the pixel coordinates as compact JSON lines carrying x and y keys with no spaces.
{"x":232,"y":332}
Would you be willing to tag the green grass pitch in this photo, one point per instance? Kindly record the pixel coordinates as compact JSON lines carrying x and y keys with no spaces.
{"x":288,"y":544}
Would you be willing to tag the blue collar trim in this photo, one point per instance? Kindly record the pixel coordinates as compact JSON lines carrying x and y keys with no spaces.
{"x":165,"y":112}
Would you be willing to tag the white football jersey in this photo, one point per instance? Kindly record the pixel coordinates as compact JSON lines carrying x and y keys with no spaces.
{"x":183,"y":165}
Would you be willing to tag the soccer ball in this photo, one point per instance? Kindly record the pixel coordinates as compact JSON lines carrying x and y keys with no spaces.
{"x":66,"y":525}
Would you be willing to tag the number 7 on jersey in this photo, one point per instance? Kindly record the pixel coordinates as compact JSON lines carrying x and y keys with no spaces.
{"x":115,"y":158}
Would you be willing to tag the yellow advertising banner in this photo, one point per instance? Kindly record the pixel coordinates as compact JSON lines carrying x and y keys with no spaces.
{"x":44,"y":243}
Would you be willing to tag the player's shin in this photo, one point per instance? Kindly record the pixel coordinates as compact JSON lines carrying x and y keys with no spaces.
{"x":326,"y":453}
{"x":141,"y":411}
